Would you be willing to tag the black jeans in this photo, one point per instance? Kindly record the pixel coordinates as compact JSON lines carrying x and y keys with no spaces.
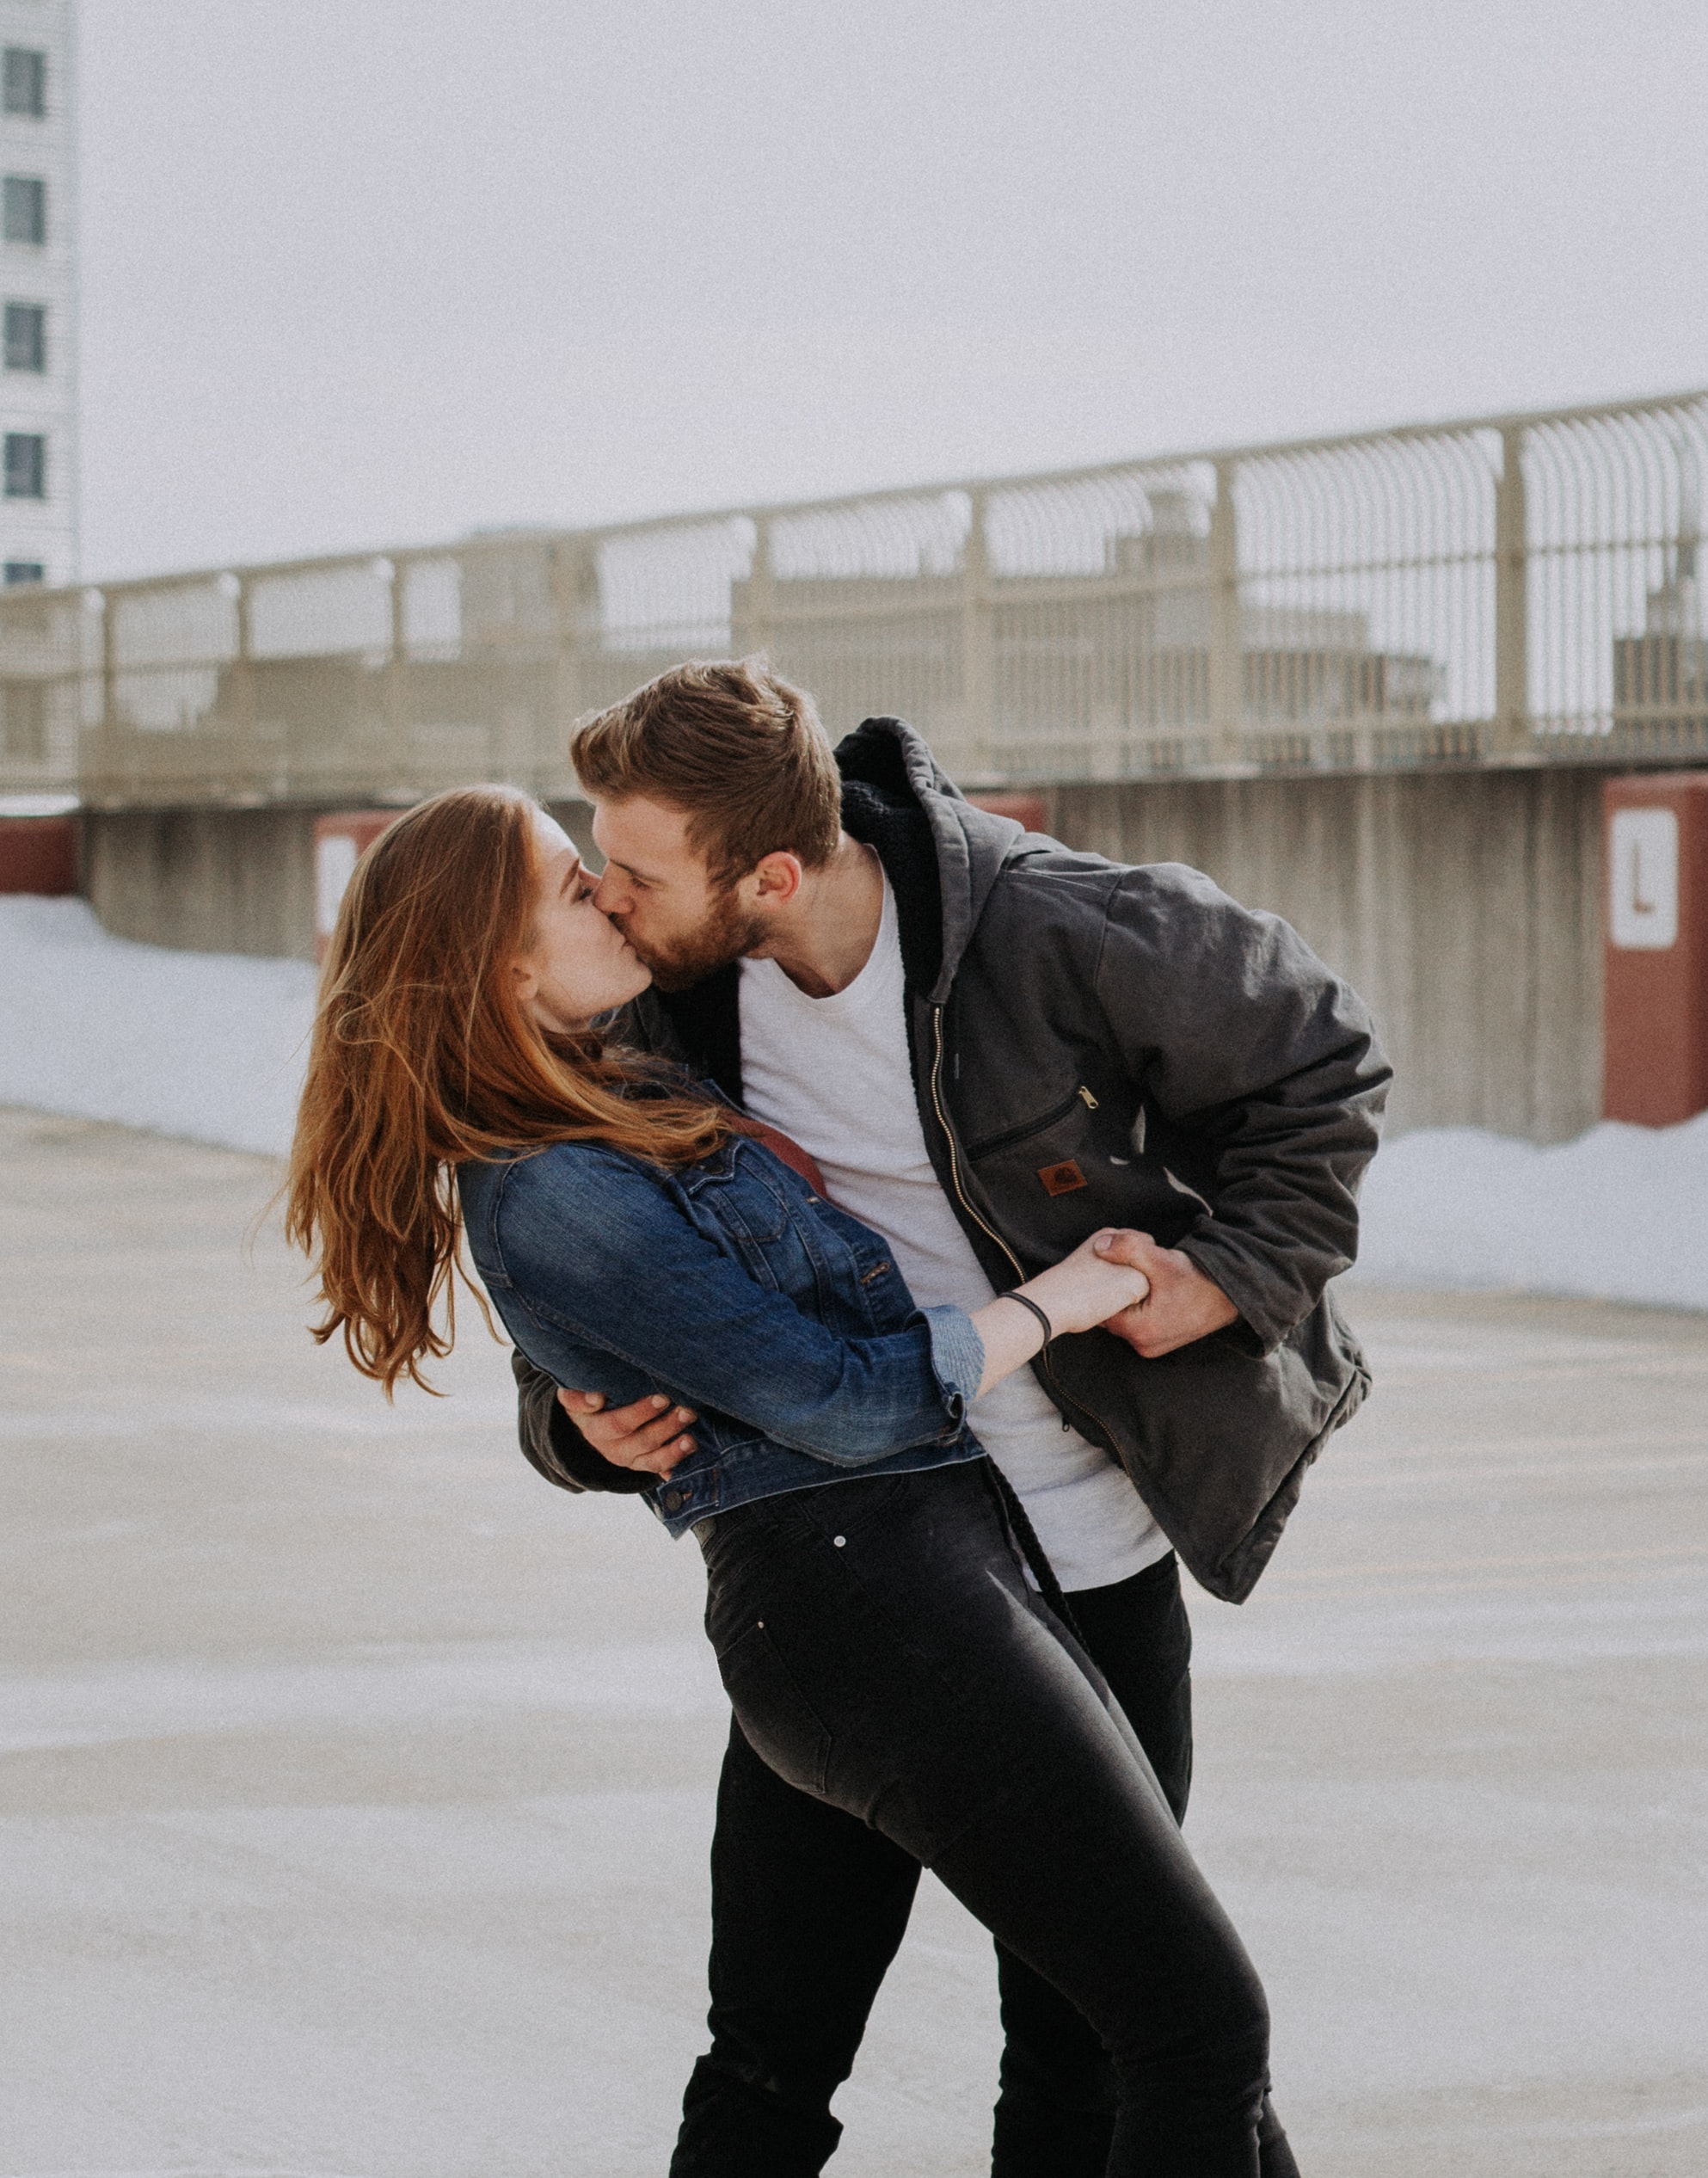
{"x":886,"y":1660}
{"x":1055,"y":2111}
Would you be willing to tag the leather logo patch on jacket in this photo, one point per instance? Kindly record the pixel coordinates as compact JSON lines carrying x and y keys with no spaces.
{"x":1063,"y":1178}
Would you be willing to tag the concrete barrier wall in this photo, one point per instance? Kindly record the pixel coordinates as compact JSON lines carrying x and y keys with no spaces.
{"x":218,"y":881}
{"x":1465,"y":906}
{"x":211,"y":881}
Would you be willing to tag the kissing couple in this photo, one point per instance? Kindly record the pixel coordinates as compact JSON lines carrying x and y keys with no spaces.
{"x":934,"y":1222}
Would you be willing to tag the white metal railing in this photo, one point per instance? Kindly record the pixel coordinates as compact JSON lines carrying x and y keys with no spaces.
{"x":1505,"y":590}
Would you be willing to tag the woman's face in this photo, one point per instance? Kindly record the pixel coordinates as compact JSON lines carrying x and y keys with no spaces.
{"x":578,"y":963}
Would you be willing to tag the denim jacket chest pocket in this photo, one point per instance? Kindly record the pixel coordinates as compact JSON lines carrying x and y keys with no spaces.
{"x":741,"y":1198}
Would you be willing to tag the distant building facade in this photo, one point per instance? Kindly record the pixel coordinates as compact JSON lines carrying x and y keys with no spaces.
{"x":1664,"y":670}
{"x":38,"y":292}
{"x":1084,"y":669}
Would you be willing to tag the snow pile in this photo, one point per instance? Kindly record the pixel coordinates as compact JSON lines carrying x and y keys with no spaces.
{"x":209,"y":1046}
{"x":1620,"y":1213}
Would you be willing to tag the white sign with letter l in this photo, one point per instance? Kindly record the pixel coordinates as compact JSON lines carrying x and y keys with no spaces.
{"x":1642,"y":876}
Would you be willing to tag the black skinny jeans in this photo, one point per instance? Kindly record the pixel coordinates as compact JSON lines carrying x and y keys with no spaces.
{"x":809,"y":1908}
{"x":883,"y":1652}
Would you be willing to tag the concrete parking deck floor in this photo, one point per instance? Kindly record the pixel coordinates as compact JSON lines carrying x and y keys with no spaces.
{"x":355,"y":1787}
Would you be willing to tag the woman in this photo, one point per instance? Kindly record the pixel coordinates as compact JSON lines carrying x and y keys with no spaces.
{"x":874,"y":1624}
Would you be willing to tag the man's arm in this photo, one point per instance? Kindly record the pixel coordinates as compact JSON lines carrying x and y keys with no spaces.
{"x":1239,"y":1035}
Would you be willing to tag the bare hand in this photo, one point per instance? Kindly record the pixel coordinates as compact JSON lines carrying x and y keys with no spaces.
{"x":645,"y":1435}
{"x":1182,"y":1305}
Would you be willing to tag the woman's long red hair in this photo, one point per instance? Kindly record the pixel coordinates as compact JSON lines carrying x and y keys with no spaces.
{"x":423,"y":1057}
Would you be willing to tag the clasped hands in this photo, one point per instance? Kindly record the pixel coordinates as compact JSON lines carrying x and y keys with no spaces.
{"x":650,"y":1436}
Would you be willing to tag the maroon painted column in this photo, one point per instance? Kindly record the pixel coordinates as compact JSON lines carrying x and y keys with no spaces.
{"x":1656,"y":929}
{"x":39,"y":854}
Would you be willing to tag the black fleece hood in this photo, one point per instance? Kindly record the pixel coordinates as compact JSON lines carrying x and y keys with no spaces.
{"x":897,"y":799}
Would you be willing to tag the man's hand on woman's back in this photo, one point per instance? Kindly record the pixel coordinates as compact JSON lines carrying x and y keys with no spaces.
{"x":646,"y":1434}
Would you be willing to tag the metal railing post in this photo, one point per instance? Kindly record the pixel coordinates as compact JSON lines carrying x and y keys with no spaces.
{"x":107,"y":739}
{"x":1512,"y":601}
{"x":574,"y":609}
{"x":978,"y":648}
{"x":397,"y":670}
{"x":244,"y":718}
{"x":758,"y":630}
{"x":1227,"y":652}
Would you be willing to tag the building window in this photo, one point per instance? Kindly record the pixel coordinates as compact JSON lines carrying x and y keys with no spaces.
{"x":26,"y":347}
{"x":23,"y":208}
{"x":23,"y":81}
{"x":20,"y":572}
{"x":26,"y":465}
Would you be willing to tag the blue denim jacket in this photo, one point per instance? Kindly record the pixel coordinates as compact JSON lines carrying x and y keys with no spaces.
{"x":732,"y":1287}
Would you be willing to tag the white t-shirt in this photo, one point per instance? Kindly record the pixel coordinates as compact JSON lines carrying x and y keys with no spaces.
{"x":833,"y":1073}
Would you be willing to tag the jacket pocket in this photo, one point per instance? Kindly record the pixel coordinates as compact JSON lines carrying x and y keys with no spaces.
{"x":1072,"y":1168}
{"x":780,"y":1724}
{"x":1065,"y":1109}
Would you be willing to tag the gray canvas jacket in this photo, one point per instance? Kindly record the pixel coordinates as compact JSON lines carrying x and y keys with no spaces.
{"x":1096,"y":1044}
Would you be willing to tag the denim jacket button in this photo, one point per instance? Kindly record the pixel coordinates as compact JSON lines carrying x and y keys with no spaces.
{"x":674,"y":1500}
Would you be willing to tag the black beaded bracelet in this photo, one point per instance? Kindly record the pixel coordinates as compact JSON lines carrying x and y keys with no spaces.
{"x":1025,"y":1303}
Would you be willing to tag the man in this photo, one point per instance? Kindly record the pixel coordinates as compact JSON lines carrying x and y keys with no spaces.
{"x":993,"y":1046}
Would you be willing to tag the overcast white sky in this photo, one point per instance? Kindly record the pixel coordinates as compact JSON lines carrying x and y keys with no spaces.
{"x":358,"y":272}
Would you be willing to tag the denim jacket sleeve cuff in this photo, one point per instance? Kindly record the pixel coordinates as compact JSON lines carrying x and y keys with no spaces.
{"x":957,"y":1355}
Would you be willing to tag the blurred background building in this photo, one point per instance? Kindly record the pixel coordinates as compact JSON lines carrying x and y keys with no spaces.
{"x":38,"y":292}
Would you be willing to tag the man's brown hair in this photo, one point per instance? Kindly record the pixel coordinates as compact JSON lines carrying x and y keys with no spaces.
{"x":736,"y":748}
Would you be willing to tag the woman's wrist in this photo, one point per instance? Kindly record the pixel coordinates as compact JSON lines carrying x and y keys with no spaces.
{"x":1013,"y":1337}
{"x":1033,"y":1309}
{"x":1079,"y":1291}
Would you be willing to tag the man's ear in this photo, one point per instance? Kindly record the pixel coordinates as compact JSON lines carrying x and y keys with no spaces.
{"x":776,"y":878}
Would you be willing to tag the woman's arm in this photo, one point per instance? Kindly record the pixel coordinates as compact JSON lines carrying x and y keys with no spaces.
{"x":646,"y":1438}
{"x":1080,"y":1291}
{"x":596,"y":1252}
{"x":584,"y":1249}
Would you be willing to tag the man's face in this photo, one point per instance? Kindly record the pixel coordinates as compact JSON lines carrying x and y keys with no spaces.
{"x":656,"y":889}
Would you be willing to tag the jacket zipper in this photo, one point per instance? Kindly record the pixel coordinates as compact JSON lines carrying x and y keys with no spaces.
{"x":1044,"y":1360}
{"x":1081,"y":1095}
{"x":953,"y":1152}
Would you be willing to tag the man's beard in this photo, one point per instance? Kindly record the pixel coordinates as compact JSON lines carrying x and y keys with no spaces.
{"x":726,"y":932}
